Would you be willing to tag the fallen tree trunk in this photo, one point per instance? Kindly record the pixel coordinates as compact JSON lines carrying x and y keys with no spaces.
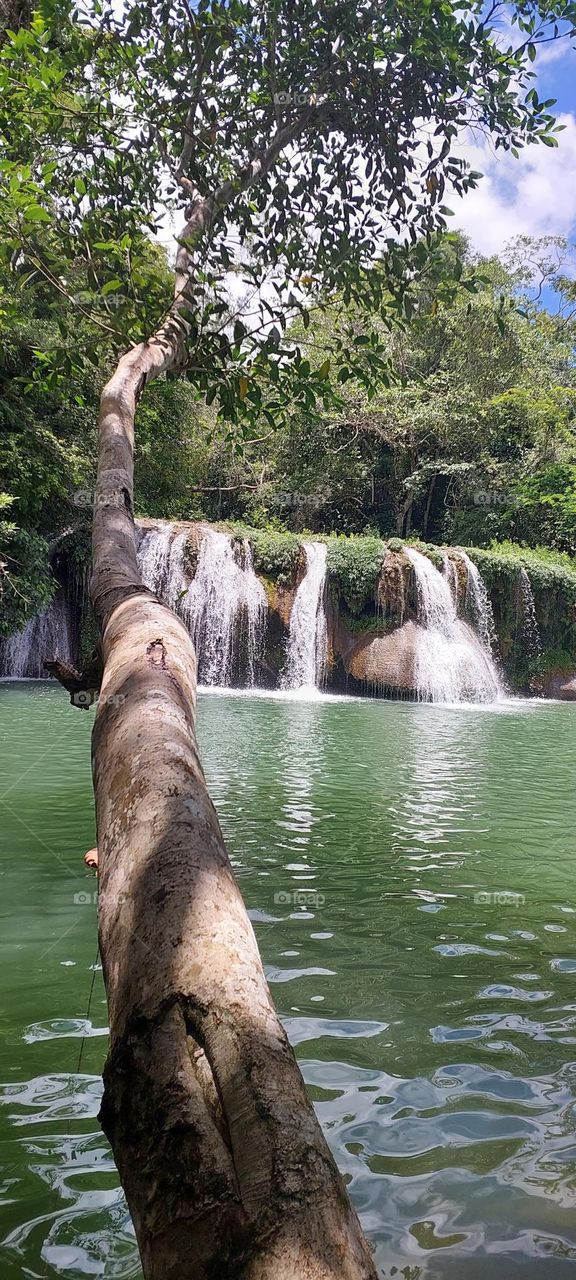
{"x":225,"y":1168}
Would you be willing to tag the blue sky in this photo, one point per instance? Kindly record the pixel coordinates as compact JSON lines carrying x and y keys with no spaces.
{"x":536,"y":194}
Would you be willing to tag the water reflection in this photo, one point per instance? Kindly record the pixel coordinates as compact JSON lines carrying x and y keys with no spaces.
{"x":434,"y":1016}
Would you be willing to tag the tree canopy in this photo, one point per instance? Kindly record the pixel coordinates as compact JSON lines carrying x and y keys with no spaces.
{"x":320,"y":143}
{"x":473,"y":439}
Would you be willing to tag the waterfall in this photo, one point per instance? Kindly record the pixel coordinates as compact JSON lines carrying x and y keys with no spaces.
{"x":161,"y":557}
{"x":255,"y":614}
{"x":452,"y":663}
{"x":225,"y":609}
{"x":154,"y":557}
{"x":451,"y":575}
{"x":478,"y":602}
{"x":47,"y":635}
{"x":175,"y":583}
{"x":528,"y":628}
{"x":308,"y":637}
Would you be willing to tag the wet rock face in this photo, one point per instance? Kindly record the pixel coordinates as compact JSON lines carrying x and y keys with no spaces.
{"x":388,"y":660}
{"x":561,"y":686}
{"x":374,"y":662}
{"x":395,"y":590}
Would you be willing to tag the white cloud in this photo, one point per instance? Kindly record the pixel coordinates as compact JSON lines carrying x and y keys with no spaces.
{"x":548,"y":53}
{"x":533,"y":195}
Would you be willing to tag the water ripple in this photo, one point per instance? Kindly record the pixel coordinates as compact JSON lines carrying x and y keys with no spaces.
{"x":434,"y":1016}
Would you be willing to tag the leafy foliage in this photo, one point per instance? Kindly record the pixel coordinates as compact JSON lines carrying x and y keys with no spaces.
{"x":308,"y":151}
{"x":275,"y":554}
{"x":474,"y":438}
{"x":311,"y":148}
{"x":26,"y":586}
{"x":48,"y":435}
{"x":353,"y":567}
{"x":546,"y":568}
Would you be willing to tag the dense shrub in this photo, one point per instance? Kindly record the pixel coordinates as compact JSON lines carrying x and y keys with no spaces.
{"x":275,"y":554}
{"x":354,"y":565}
{"x":26,"y":584}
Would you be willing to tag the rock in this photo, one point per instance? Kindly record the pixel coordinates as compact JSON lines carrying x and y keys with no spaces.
{"x":386,"y":661}
{"x":561,"y":686}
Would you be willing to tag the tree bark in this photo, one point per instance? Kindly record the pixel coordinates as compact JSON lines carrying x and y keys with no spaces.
{"x":225,"y":1167}
{"x":403,"y":517}
{"x":428,"y":506}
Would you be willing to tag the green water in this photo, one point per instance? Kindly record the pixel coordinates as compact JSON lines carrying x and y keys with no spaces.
{"x":436,"y":1031}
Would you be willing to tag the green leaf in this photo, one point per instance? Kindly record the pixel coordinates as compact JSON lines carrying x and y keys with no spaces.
{"x":35,"y":213}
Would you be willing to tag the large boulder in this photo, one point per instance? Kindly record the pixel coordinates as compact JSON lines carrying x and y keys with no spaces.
{"x":385,"y":662}
{"x":561,"y":686}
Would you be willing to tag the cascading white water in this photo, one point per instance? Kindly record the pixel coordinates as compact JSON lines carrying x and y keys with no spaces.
{"x":154,"y":557}
{"x":528,"y":623}
{"x":478,"y":602}
{"x":225,"y":609}
{"x":255,"y":614}
{"x":47,"y":635}
{"x":308,"y":636}
{"x":161,"y":556}
{"x":175,"y":581}
{"x":452,"y":663}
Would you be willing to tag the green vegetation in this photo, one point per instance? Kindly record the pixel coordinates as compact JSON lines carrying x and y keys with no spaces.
{"x":275,"y":554}
{"x":473,"y":441}
{"x":547,"y":569}
{"x":401,"y":389}
{"x":48,"y":440}
{"x":471,"y":438}
{"x":354,"y":565}
{"x":535,"y":558}
{"x":26,"y":585}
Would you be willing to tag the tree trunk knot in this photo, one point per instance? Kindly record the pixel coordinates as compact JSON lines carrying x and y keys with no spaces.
{"x":156,"y":653}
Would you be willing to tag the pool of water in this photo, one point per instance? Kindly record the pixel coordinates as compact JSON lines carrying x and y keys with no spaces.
{"x":410,"y":874}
